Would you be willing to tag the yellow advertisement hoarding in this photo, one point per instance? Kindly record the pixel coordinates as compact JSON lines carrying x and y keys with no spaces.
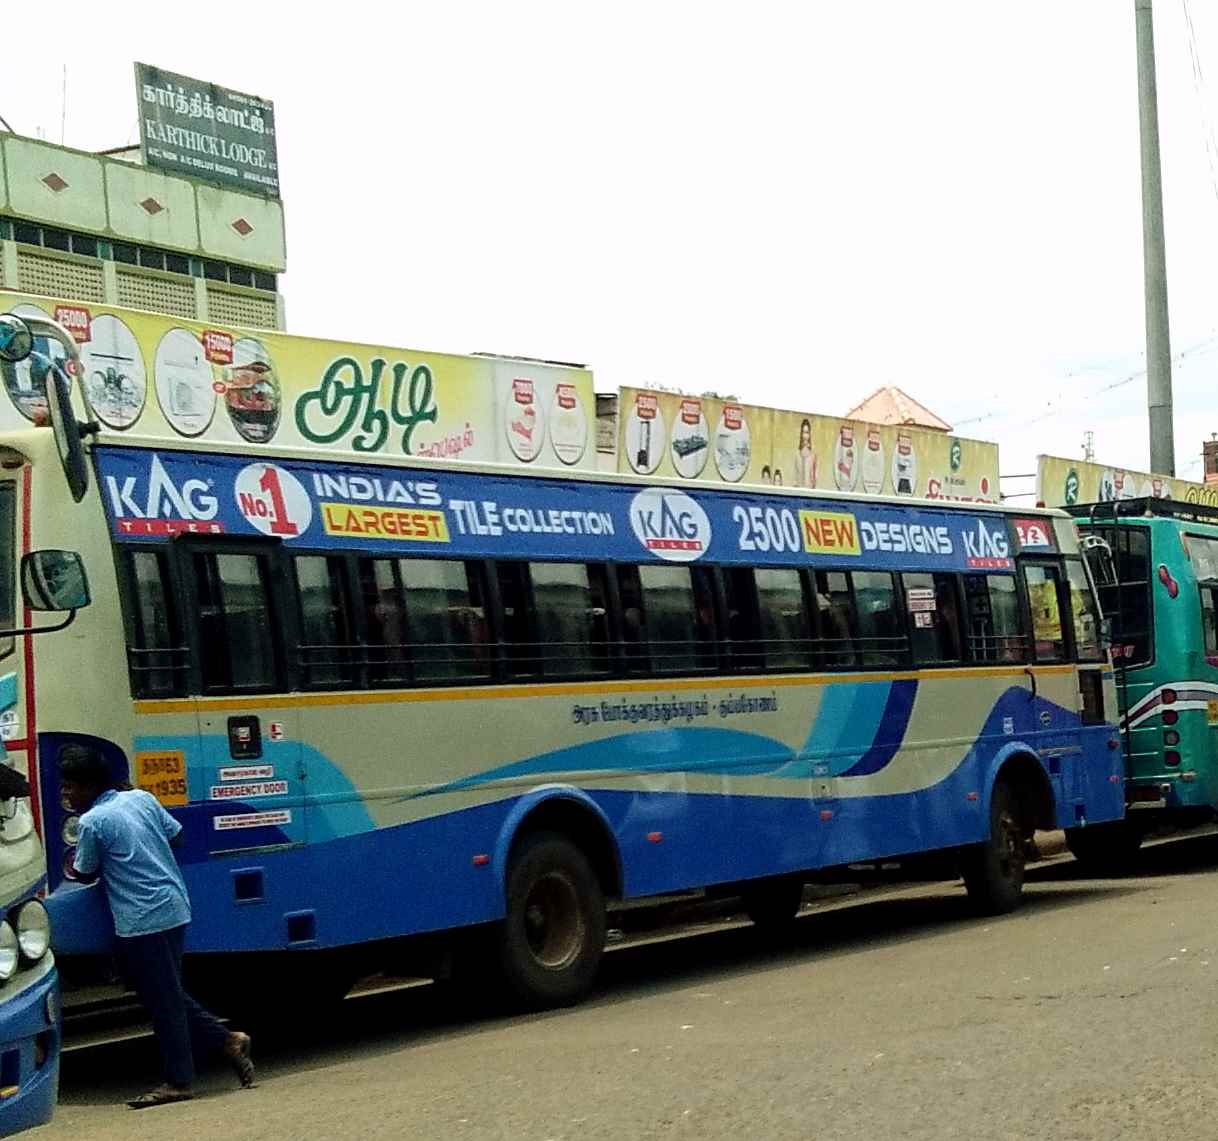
{"x":723,"y":441}
{"x":162,"y":379}
{"x":1063,"y":483}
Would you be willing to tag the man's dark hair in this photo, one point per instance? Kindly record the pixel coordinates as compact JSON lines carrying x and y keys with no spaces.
{"x":84,"y":765}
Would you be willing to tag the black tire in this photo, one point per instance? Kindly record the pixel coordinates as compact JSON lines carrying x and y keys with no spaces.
{"x":994,"y":870}
{"x":772,"y":905}
{"x":551,"y":940}
{"x":1105,"y":848}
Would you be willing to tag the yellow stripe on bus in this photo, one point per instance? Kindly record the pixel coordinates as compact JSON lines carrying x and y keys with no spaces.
{"x":561,"y":689}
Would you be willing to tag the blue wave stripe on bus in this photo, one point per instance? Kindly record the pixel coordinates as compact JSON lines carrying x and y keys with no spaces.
{"x":692,"y":750}
{"x":891,"y":731}
{"x":845,"y":726}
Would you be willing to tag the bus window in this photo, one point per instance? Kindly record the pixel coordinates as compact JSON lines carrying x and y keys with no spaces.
{"x":881,"y":633}
{"x":384,"y":621}
{"x":157,"y":657}
{"x":445,"y":619}
{"x":835,"y":620}
{"x":1209,"y":621}
{"x":740,"y":590}
{"x":8,"y":563}
{"x":325,"y":632}
{"x":572,"y":614}
{"x":522,"y":645}
{"x":679,"y":609}
{"x":934,"y":617}
{"x":786,"y":630}
{"x":1128,"y":602}
{"x":1088,"y":643}
{"x":995,"y":632}
{"x":1044,"y":600}
{"x":236,"y":646}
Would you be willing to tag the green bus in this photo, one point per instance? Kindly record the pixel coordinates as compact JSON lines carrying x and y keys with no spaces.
{"x":1155,"y":562}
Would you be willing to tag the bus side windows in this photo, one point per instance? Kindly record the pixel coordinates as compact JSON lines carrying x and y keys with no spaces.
{"x":677,"y":616}
{"x":835,"y":621}
{"x":446,"y":619}
{"x":1084,"y":613}
{"x":993,"y":623}
{"x":1209,"y":621}
{"x":384,"y":613}
{"x":934,"y":617}
{"x":326,"y":641}
{"x":1044,"y":600}
{"x":882,"y":636}
{"x":158,"y":660}
{"x":745,"y":641}
{"x":236,"y":619}
{"x":785,"y":622}
{"x":571,"y":603}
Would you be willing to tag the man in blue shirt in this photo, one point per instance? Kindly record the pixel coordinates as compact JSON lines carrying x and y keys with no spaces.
{"x":125,"y":838}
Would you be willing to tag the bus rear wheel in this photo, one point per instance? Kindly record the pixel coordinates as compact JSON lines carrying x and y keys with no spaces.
{"x":1108,"y":847}
{"x":994,"y":870}
{"x":552,"y":937}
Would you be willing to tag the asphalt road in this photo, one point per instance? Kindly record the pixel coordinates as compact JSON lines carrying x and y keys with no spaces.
{"x":1090,"y":1014}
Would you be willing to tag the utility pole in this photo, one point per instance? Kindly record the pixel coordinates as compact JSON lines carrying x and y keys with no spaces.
{"x":1088,"y":446}
{"x":1158,"y":341}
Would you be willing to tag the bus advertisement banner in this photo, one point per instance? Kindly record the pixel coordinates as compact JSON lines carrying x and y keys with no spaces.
{"x":157,"y":495}
{"x":1063,"y":483}
{"x":709,"y":439}
{"x":161,"y":379}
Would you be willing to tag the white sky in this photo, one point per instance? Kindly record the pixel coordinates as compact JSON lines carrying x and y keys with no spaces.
{"x":792,"y":203}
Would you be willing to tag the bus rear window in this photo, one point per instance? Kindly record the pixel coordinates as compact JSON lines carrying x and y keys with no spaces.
{"x":1127,"y":602}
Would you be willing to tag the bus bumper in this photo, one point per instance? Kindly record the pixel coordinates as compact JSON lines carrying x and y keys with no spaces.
{"x":29,"y":1049}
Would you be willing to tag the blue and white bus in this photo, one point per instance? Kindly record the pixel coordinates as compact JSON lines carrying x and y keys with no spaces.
{"x":412,"y":698}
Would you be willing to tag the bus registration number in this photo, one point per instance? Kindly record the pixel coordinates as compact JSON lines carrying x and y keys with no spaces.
{"x":164,"y":775}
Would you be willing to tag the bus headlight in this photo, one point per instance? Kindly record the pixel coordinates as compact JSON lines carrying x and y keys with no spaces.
{"x":10,"y":951}
{"x":33,"y":930}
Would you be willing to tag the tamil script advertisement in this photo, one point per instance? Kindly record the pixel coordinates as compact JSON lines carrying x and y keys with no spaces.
{"x":160,"y":379}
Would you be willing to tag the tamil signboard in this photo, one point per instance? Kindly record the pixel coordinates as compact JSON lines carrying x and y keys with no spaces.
{"x":709,"y":439}
{"x":196,"y":128}
{"x":166,"y":380}
{"x":1063,"y":483}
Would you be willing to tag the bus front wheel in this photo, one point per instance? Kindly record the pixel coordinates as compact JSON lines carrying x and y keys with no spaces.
{"x":993,"y":870}
{"x":1105,"y":847}
{"x":553,"y":934}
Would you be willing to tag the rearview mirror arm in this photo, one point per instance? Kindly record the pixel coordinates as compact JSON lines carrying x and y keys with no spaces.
{"x":40,"y":629}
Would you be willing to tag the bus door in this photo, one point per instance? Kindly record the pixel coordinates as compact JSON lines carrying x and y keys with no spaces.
{"x":249,"y":732}
{"x":15,"y":653}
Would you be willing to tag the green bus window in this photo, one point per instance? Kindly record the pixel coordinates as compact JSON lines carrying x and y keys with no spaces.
{"x":679,"y":609}
{"x":786,"y":629}
{"x":1209,"y":621}
{"x":1044,"y":599}
{"x":157,"y":657}
{"x":237,"y":649}
{"x":881,"y":632}
{"x":384,"y":606}
{"x":1128,"y":601}
{"x":569,"y":599}
{"x":1085,"y":614}
{"x":934,"y":617}
{"x":8,"y":563}
{"x":995,"y":632}
{"x":445,"y":619}
{"x":325,"y":632}
{"x":835,"y":621}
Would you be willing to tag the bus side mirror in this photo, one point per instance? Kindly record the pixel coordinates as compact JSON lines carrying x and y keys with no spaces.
{"x":16,"y":340}
{"x":54,"y":580}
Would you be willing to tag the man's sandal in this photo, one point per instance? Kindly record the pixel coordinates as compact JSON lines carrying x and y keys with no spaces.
{"x":162,"y":1095}
{"x":239,"y":1058}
